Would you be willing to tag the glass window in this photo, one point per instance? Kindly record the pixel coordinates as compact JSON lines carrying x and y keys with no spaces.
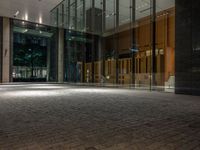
{"x":34,"y":49}
{"x":130,"y":43}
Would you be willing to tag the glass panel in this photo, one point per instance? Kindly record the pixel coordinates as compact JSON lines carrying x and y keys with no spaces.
{"x":120,"y":42}
{"x":142,"y":48}
{"x":54,"y":17}
{"x":80,"y":15}
{"x":110,"y":14}
{"x":73,"y":6}
{"x":125,"y":38}
{"x":88,"y":14}
{"x":124,"y":12}
{"x":34,"y":51}
{"x":165,"y":45}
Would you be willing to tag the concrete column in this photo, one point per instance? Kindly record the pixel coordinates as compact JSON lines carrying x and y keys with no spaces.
{"x":6,"y":51}
{"x":61,"y":55}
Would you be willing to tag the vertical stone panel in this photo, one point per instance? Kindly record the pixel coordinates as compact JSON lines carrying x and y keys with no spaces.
{"x":1,"y":34}
{"x":6,"y":51}
{"x":61,"y":55}
{"x":187,"y":51}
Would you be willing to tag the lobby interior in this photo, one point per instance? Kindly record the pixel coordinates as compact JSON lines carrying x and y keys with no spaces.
{"x":109,"y":43}
{"x":99,"y":74}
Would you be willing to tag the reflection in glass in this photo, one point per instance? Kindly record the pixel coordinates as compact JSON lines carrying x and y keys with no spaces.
{"x":113,"y":42}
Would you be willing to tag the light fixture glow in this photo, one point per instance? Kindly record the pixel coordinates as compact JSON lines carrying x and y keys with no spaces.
{"x":40,"y":20}
{"x":26,"y":30}
{"x":16,"y":14}
{"x":26,"y":17}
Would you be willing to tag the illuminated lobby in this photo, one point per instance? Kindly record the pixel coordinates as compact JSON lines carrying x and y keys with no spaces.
{"x":133,"y":44}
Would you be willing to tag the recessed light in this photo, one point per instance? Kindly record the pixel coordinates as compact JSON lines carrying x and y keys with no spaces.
{"x":16,"y":14}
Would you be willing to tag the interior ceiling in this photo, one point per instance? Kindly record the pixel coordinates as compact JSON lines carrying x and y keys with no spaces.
{"x":39,"y":10}
{"x":32,"y":10}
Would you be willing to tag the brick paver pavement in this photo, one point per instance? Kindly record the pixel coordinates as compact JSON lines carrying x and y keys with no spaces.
{"x":62,"y":117}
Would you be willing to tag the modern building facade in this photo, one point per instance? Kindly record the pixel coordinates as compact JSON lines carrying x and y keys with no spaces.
{"x":148,"y":44}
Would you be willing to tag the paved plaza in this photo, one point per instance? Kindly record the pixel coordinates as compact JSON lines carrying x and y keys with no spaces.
{"x":63,"y":117}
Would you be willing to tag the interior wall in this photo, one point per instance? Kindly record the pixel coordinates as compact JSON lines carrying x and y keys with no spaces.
{"x":165,"y":44}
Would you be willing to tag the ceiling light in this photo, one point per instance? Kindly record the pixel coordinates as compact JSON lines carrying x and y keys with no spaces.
{"x":26,"y":30}
{"x":40,"y":20}
{"x":26,"y":17}
{"x":16,"y":14}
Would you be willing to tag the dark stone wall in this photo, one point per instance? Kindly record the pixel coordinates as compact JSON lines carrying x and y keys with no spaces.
{"x":187,"y":51}
{"x":1,"y":35}
{"x":53,"y":72}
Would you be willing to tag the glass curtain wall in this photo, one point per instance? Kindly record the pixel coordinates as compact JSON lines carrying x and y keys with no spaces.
{"x":165,"y":45}
{"x":114,"y":42}
{"x":34,"y":52}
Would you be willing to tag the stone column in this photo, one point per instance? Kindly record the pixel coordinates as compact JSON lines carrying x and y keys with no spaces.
{"x":61,"y":56}
{"x":6,"y":51}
